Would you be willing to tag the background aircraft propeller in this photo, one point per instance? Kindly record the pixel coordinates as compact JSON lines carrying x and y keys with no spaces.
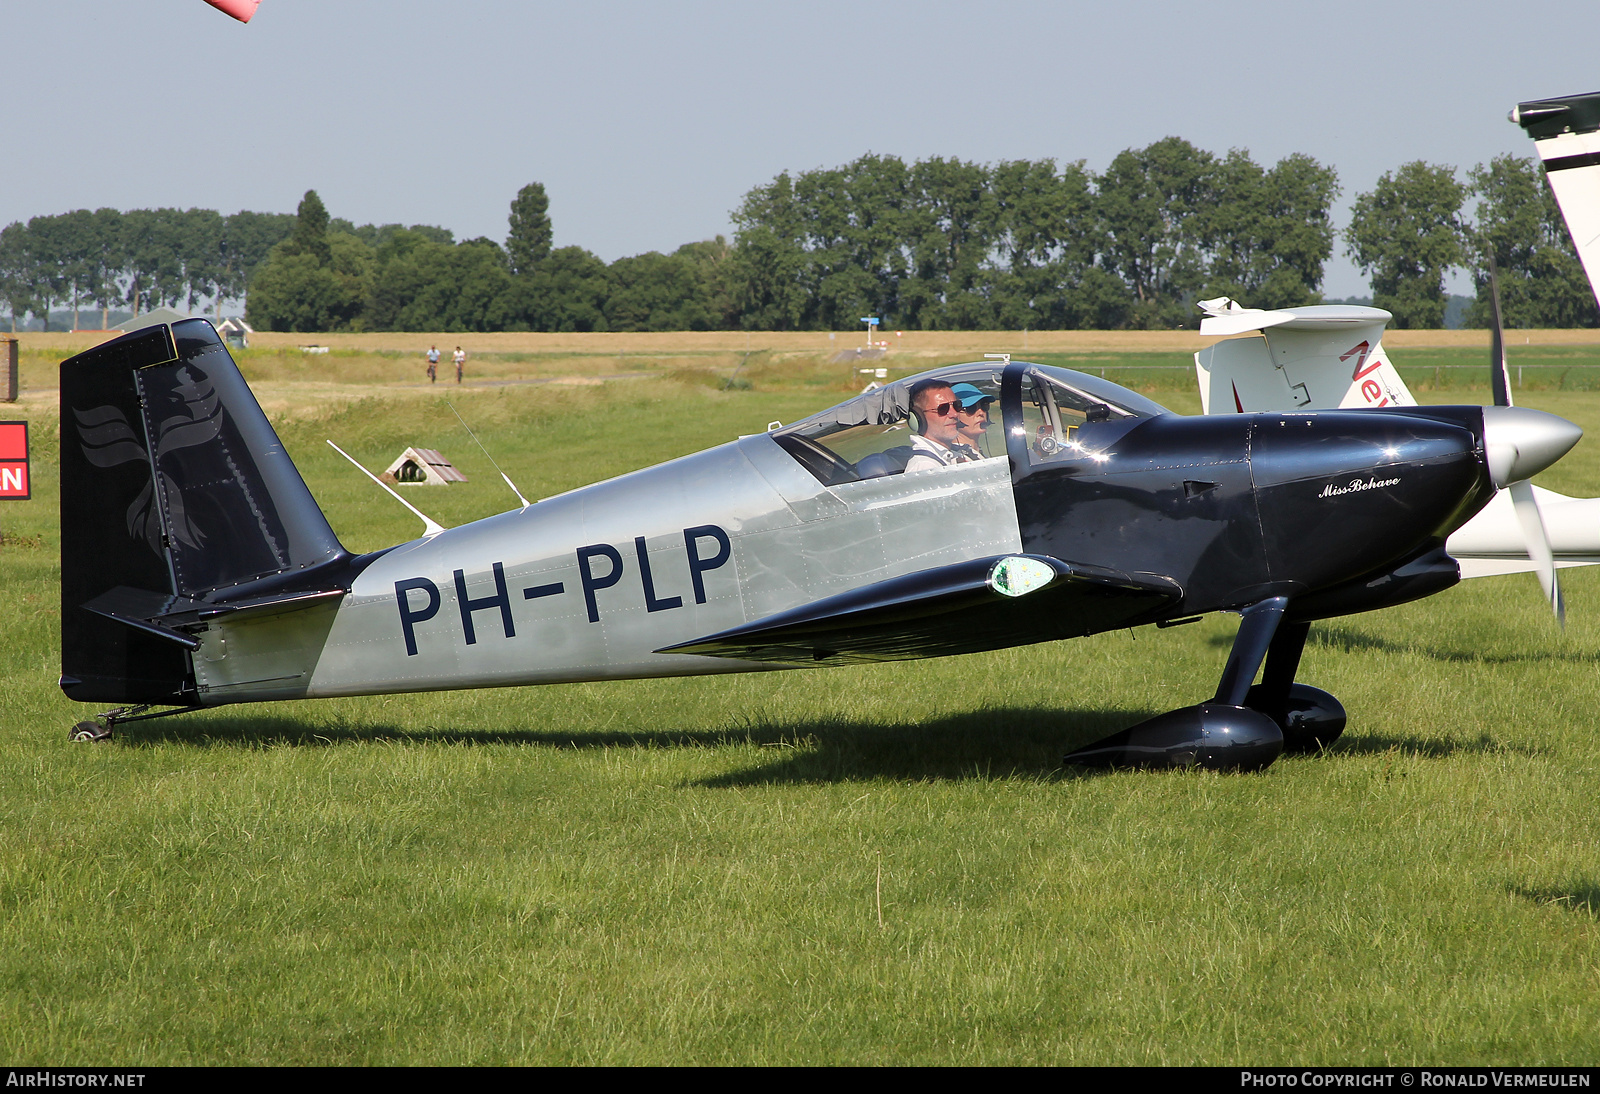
{"x":241,"y":10}
{"x":1522,"y":499}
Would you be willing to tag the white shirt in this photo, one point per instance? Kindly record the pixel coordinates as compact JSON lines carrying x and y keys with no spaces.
{"x":927,"y":454}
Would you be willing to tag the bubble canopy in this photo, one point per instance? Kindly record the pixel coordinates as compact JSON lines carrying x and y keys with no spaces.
{"x":952,"y":415}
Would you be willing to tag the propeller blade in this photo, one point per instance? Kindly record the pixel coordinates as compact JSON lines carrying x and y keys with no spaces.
{"x":1538,"y":543}
{"x":241,"y":10}
{"x":1499,"y":375}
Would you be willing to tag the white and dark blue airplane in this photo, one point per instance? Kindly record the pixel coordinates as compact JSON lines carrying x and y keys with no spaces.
{"x":198,"y":570}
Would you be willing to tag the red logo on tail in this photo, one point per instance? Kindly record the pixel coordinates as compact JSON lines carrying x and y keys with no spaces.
{"x":1371,"y":390}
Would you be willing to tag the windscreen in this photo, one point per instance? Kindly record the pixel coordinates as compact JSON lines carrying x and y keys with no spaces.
{"x":923,"y":423}
{"x":951,"y":416}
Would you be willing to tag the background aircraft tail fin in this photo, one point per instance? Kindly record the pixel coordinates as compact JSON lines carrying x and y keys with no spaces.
{"x":1329,"y":355}
{"x":1566,"y":133}
{"x":173,"y":484}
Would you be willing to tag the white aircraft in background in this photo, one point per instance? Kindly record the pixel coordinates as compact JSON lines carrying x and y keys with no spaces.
{"x":1331,"y":356}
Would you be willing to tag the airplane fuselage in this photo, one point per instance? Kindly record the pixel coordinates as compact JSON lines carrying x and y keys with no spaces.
{"x":589,"y":584}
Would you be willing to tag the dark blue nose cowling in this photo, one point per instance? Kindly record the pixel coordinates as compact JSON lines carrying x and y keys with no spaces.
{"x":1346,"y":494}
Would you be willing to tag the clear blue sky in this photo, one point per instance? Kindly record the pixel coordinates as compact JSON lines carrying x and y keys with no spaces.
{"x":648,"y":122}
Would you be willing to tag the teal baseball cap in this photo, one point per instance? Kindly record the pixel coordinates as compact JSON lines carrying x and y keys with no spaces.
{"x":969,"y":396}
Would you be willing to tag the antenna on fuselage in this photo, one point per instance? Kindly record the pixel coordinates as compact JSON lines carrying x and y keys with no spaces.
{"x":525,"y":502}
{"x":430,"y":527}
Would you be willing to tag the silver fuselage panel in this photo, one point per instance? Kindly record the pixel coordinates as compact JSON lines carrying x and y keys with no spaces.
{"x":586,"y":585}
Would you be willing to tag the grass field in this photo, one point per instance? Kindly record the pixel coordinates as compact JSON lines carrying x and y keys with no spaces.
{"x":861,"y":865}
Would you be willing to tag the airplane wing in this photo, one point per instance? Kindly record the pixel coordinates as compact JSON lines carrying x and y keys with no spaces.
{"x":982,"y":604}
{"x":1566,"y":134}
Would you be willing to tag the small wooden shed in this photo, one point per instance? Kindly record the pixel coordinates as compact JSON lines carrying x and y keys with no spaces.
{"x":236,"y":332}
{"x":423,"y":467}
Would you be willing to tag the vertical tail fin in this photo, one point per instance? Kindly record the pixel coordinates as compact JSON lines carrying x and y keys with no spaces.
{"x":1312,"y":358}
{"x":174,"y":489}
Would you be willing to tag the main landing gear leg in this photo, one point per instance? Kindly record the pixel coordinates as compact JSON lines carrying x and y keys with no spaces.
{"x":1309,"y":717}
{"x":1222,"y":734}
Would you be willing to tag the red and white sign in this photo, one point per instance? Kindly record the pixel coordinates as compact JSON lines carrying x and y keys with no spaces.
{"x":14,"y":480}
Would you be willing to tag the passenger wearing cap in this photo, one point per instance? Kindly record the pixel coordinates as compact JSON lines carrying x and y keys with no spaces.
{"x":972,"y":418}
{"x":934,"y":408}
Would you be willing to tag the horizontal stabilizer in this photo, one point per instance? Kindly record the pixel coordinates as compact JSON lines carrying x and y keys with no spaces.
{"x":1225,"y":317}
{"x":170,"y":617}
{"x":142,"y":610}
{"x":983,"y":604}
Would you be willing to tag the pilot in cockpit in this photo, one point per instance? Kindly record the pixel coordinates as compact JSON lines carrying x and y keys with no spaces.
{"x":937,"y":441}
{"x":972,"y":418}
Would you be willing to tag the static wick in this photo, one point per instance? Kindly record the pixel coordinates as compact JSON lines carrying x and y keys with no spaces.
{"x":430,"y":527}
{"x":525,"y":502}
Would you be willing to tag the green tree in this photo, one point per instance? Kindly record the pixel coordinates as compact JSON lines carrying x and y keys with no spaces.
{"x":948,"y":225}
{"x":293,"y":291}
{"x":310,"y":235}
{"x":203,"y":259}
{"x":105,"y":262}
{"x":770,"y":264}
{"x":48,"y":249}
{"x":247,"y":239}
{"x":1542,"y":282}
{"x":859,"y":233}
{"x":567,"y":293}
{"x":18,"y":273}
{"x":152,"y":250}
{"x":316,"y":279}
{"x":1046,"y":239}
{"x":1269,"y":232}
{"x":1154,"y":204}
{"x":1405,"y":234}
{"x":714,"y":265}
{"x":679,"y":291}
{"x":423,"y":285}
{"x":72,"y":241}
{"x":528,"y":242}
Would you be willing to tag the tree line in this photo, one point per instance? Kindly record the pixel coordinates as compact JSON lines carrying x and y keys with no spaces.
{"x":932,"y":244}
{"x":141,"y":259}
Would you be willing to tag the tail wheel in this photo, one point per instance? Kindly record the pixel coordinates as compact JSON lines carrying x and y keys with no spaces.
{"x":89,"y":731}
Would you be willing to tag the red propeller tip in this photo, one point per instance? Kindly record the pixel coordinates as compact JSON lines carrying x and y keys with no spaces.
{"x":241,"y":10}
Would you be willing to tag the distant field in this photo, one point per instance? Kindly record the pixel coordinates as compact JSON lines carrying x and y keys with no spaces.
{"x":692,"y":871}
{"x":808,"y":342}
{"x":1158,"y":361}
